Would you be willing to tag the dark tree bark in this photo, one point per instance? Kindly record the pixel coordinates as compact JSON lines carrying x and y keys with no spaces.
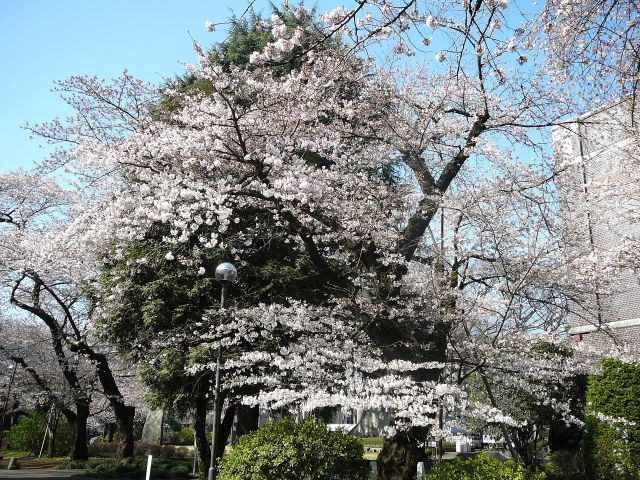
{"x":325,"y":414}
{"x":400,"y":455}
{"x":110,"y":430}
{"x":78,"y":421}
{"x":123,"y":413}
{"x":76,"y":343}
{"x":401,"y":342}
{"x":225,"y":429}
{"x":247,"y":419}
{"x":82,"y":401}
{"x":200,"y":427}
{"x":124,"y":420}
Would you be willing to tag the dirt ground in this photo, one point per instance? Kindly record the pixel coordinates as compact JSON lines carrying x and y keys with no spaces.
{"x":31,"y":463}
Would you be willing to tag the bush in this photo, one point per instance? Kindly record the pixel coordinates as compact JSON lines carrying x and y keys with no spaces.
{"x":160,"y":468}
{"x":64,"y":437}
{"x":27,"y":434}
{"x":167,"y":451}
{"x":184,"y":436}
{"x":284,"y":450}
{"x":565,"y":465}
{"x":104,"y":450}
{"x":482,"y":467}
{"x":612,"y":448}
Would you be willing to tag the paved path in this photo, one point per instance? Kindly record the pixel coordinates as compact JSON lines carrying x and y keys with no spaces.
{"x":42,"y":474}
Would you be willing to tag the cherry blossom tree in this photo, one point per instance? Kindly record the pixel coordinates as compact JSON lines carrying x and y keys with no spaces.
{"x":434,"y":246}
{"x":40,"y":383}
{"x":47,"y":278}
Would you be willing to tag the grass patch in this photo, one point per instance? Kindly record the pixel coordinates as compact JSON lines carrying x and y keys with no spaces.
{"x":161,"y":468}
{"x":370,"y":455}
{"x":371,"y":441}
{"x":14,"y":453}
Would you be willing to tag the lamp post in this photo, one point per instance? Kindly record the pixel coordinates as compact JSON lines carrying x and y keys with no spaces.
{"x":226,"y":273}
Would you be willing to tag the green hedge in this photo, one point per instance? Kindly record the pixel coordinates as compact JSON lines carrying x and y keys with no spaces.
{"x":284,"y":450}
{"x":161,"y":468}
{"x":481,"y":467}
{"x":612,"y":449}
{"x":27,"y":434}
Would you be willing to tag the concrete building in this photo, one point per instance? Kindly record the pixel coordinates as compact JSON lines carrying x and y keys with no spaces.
{"x":596,"y":181}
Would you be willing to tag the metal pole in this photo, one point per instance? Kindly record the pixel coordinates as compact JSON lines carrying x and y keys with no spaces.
{"x":195,"y":452}
{"x":46,"y":431}
{"x":6,"y":400}
{"x":217,"y":405}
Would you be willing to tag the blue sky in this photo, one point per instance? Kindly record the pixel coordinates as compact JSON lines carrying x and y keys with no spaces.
{"x":47,"y":40}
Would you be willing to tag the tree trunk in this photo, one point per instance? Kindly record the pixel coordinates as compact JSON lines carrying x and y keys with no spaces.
{"x":401,"y":453}
{"x":247,"y":418}
{"x":79,"y":449}
{"x":225,"y":429}
{"x":123,"y":413}
{"x":110,"y":430}
{"x":124,"y":419}
{"x":200,"y":427}
{"x":53,"y":430}
{"x":325,"y":414}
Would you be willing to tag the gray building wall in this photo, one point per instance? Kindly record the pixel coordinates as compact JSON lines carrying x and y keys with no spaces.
{"x":595,"y":180}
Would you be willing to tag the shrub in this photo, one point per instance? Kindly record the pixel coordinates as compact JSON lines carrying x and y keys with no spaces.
{"x":108,"y":450}
{"x":27,"y":434}
{"x":184,"y":436}
{"x":284,"y":450}
{"x":167,"y":451}
{"x":482,"y":467}
{"x":612,"y":447}
{"x":64,"y":437}
{"x":73,"y":465}
{"x":565,"y":465}
{"x":161,"y":468}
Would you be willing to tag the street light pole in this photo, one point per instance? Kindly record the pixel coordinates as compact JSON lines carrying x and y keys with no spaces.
{"x":226,"y":273}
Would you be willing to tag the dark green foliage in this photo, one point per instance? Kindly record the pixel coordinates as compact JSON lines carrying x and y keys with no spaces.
{"x":251,"y":35}
{"x":27,"y":434}
{"x":64,"y":438}
{"x":245,"y":36}
{"x":602,"y":448}
{"x":104,"y":450}
{"x":184,"y":436}
{"x":542,"y":416}
{"x":284,"y":450}
{"x":482,"y":467}
{"x":565,"y":465}
{"x":164,"y":451}
{"x":565,"y":437}
{"x":160,"y":468}
{"x":164,"y":298}
{"x":612,"y":450}
{"x":615,"y":391}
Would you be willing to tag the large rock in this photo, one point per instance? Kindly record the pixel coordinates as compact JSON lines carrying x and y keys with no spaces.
{"x":152,"y":431}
